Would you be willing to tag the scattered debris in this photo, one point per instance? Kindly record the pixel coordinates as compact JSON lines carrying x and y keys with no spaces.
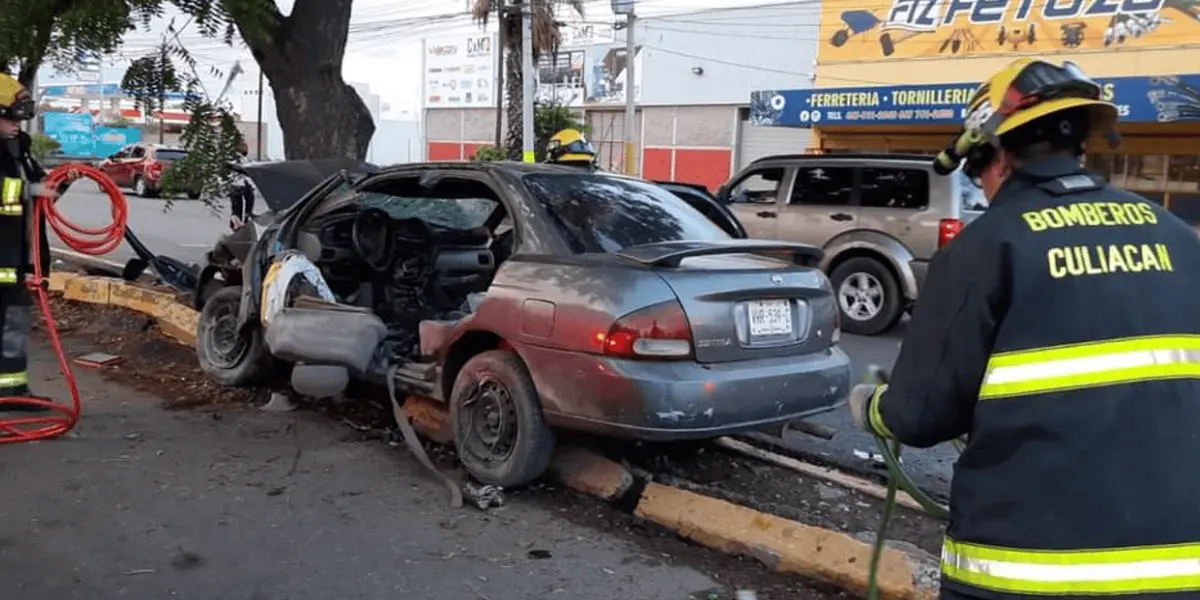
{"x":97,"y":359}
{"x":539,"y":554}
{"x":484,"y":496}
{"x":279,"y":402}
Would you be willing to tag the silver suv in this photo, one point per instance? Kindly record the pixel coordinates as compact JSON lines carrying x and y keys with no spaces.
{"x":879,"y":217}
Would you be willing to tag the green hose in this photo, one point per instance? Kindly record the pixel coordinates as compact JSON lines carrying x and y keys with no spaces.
{"x":889,"y":450}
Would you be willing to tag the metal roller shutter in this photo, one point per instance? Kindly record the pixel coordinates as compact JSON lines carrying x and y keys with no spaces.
{"x":756,"y":142}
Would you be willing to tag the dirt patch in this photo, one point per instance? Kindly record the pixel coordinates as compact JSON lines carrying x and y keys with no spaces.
{"x":153,"y":363}
{"x":150,"y":361}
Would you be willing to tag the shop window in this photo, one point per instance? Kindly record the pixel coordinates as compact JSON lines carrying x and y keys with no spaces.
{"x":823,"y":186}
{"x":1183,"y":174}
{"x":1145,"y":173}
{"x":760,"y":187}
{"x":894,"y":188}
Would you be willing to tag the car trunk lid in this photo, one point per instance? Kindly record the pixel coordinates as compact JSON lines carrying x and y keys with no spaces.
{"x":746,"y":299}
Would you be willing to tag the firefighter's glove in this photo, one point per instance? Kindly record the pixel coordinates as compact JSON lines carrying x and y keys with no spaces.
{"x":862,"y":398}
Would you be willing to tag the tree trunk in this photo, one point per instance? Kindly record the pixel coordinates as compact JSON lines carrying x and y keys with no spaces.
{"x":301,"y":56}
{"x":514,"y":81}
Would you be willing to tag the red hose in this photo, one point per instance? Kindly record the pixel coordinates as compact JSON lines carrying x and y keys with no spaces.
{"x":94,"y":241}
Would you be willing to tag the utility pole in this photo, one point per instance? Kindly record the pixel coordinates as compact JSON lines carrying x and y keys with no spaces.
{"x":527,"y":74}
{"x":626,"y":7}
{"x":501,"y":45}
{"x":162,"y":90}
{"x":258,"y":126}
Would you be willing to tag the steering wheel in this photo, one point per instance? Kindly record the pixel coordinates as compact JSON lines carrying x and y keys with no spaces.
{"x":374,"y":239}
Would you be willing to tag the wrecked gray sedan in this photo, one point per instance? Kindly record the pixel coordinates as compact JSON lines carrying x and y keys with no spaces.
{"x":529,"y":298}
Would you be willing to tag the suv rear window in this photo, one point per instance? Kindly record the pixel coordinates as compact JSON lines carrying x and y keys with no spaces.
{"x":596,"y":213}
{"x":894,"y":188}
{"x":170,"y":155}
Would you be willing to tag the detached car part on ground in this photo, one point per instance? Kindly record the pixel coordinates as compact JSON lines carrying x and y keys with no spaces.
{"x":529,"y":298}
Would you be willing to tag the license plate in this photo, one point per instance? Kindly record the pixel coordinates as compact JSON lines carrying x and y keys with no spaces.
{"x":770,"y":317}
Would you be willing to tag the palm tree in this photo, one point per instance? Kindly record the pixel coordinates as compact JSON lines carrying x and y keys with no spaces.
{"x":545,"y":38}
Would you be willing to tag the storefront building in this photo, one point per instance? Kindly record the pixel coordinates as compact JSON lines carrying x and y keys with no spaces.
{"x":693,"y":77}
{"x":894,"y":76}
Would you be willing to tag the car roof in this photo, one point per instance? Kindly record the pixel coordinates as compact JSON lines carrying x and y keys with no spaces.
{"x":846,"y":155}
{"x":504,"y":166}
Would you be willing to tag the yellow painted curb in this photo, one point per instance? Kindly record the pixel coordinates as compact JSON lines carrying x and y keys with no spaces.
{"x":430,"y":418}
{"x":783,"y":545}
{"x":93,"y":290}
{"x":139,"y":298}
{"x":58,"y":280}
{"x":178,"y":321}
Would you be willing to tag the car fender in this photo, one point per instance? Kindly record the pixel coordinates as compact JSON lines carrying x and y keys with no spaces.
{"x":895,"y":253}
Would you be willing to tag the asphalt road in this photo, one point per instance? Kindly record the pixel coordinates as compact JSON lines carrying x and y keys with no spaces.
{"x":141,"y":502}
{"x":188,"y":229}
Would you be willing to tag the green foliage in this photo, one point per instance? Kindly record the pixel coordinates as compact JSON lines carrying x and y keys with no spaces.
{"x":211,"y":136}
{"x":43,"y":144}
{"x":489,"y":153}
{"x":549,"y":120}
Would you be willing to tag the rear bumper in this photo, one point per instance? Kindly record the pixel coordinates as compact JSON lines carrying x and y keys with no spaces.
{"x":672,"y":401}
{"x":919,"y":269}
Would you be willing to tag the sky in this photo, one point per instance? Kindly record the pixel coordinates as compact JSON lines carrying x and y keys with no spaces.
{"x":384,"y":51}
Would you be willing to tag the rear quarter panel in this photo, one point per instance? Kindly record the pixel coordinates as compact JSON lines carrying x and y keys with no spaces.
{"x":553,"y":312}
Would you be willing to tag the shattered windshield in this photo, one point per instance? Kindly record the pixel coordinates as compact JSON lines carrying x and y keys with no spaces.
{"x":448,"y":213}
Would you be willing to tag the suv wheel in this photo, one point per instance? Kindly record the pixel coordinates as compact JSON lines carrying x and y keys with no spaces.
{"x":140,"y":188}
{"x":868,"y":296}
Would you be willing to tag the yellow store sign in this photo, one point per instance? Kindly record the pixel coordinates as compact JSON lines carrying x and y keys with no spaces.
{"x":871,"y":30}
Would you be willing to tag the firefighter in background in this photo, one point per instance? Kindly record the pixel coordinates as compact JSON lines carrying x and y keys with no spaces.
{"x":1059,"y":332}
{"x":241,"y":191}
{"x":21,"y":176}
{"x":570,"y":147}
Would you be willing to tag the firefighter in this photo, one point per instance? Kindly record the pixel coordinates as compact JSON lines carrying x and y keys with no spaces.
{"x":21,"y":176}
{"x":241,"y":191}
{"x":570,"y":147}
{"x":1059,"y":332}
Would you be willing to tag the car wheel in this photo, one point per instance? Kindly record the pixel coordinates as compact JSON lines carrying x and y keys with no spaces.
{"x":141,"y":188}
{"x":226,"y":356}
{"x":868,"y":296}
{"x":499,"y":431}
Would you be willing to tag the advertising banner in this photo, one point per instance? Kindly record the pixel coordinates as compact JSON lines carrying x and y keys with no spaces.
{"x":78,"y":136}
{"x":881,"y":29}
{"x":92,"y":90}
{"x":1157,"y":99}
{"x":460,"y":71}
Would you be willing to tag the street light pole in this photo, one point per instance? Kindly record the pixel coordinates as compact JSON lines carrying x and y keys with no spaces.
{"x":527,"y":75}
{"x":626,"y":7}
{"x":258,"y":126}
{"x":630,"y":97}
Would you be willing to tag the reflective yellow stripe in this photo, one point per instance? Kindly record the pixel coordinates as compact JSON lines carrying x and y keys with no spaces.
{"x":12,"y":191}
{"x":12,"y":209}
{"x":11,"y":380}
{"x":8,"y":275}
{"x":1153,"y":569}
{"x":875,"y":418}
{"x":1092,"y":364}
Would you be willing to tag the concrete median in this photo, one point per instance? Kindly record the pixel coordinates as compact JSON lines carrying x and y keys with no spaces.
{"x":785,"y":546}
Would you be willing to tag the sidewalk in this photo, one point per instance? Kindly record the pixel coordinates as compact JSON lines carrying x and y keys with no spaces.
{"x":241,"y":505}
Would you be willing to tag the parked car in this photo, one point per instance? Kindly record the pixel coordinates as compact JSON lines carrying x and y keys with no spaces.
{"x":529,"y":298}
{"x":879,"y":218}
{"x":140,"y":166}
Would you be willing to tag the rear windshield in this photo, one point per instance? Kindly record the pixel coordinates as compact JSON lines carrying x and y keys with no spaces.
{"x":596,"y":213}
{"x":170,"y":155}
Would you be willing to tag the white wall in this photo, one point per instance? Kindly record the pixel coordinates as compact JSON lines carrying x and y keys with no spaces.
{"x":739,"y":50}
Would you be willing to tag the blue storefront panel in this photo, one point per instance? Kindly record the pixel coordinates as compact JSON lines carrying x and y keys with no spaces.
{"x":1157,"y":99}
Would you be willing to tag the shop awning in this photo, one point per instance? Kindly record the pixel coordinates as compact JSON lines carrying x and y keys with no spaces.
{"x":1143,"y":99}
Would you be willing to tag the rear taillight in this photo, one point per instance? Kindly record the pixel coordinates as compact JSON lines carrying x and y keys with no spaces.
{"x":656,"y":332}
{"x":154,"y":169}
{"x":948,"y":229}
